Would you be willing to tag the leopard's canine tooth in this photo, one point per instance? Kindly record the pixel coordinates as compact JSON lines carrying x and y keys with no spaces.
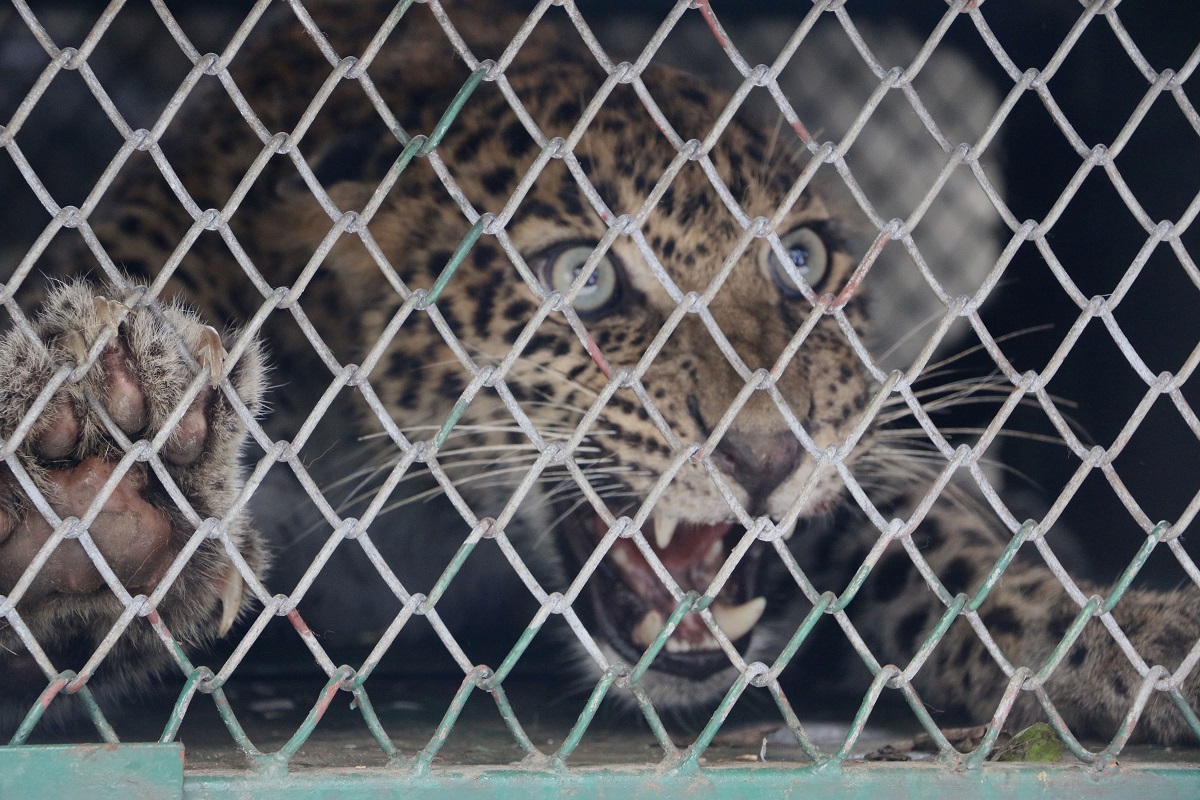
{"x":787,"y":531}
{"x":664,"y":529}
{"x":645,"y":631}
{"x":737,"y":621}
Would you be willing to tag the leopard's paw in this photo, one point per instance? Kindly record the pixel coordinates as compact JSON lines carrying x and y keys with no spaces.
{"x":112,"y":472}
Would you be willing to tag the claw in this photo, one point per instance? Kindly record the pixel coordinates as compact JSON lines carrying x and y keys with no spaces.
{"x":231,"y":599}
{"x":77,"y":345}
{"x":211,"y":354}
{"x":111,"y":312}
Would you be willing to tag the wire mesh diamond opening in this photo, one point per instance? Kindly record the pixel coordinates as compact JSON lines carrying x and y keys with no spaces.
{"x":574,"y":391}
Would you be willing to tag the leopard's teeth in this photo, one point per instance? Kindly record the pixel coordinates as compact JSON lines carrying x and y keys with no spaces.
{"x":645,"y":631}
{"x":787,"y":532}
{"x":716,"y":555}
{"x":737,"y":621}
{"x":664,"y":529}
{"x":677,"y":645}
{"x":621,"y":558}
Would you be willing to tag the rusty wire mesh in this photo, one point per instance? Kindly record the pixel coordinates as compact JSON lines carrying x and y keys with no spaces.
{"x":827,"y":157}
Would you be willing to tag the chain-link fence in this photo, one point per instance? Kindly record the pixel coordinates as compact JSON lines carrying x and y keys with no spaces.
{"x":573,"y":397}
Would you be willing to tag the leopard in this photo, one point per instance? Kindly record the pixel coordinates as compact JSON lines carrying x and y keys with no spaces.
{"x":453,"y":295}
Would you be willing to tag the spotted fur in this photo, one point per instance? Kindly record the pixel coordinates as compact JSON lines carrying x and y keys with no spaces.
{"x":662,"y":407}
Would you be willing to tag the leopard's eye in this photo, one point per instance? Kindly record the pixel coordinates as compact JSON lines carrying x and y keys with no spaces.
{"x":808,"y":255}
{"x":562,"y":265}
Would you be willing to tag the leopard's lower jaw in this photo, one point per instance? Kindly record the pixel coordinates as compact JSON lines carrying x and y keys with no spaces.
{"x":629,"y":601}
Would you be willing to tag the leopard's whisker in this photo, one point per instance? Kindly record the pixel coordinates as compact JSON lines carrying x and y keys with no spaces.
{"x":917,"y":434}
{"x":449,"y":458}
{"x":436,"y":491}
{"x":491,"y":478}
{"x":567,"y":487}
{"x":566,"y":514}
{"x":595,"y":479}
{"x":546,"y":428}
{"x":452,"y":462}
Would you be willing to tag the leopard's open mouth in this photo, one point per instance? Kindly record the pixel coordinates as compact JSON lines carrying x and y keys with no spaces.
{"x":629,"y":604}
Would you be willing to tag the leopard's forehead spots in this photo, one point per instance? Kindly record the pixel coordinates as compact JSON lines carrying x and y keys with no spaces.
{"x":690,"y":229}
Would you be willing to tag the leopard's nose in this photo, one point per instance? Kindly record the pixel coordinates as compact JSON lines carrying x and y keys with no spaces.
{"x":758,"y":461}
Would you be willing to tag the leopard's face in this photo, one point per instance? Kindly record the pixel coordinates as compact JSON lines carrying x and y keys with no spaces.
{"x":679,"y":315}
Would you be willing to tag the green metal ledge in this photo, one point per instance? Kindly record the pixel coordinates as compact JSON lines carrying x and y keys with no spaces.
{"x":864,"y":781}
{"x":99,"y":772}
{"x":92,"y":772}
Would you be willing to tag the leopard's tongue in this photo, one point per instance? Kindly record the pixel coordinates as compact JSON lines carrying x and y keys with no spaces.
{"x":692,"y":553}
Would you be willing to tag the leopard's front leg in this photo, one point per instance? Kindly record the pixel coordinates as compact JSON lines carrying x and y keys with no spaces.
{"x":1027,"y":613}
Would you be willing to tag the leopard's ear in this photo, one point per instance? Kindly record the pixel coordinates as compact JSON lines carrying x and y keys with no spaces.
{"x":895,"y":162}
{"x":365,"y":154}
{"x":904,"y":311}
{"x":357,"y":156}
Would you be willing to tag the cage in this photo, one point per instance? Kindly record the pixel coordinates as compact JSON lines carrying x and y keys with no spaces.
{"x":1009,"y":188}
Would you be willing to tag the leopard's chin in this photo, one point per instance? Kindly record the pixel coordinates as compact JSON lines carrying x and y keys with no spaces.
{"x":627,"y":604}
